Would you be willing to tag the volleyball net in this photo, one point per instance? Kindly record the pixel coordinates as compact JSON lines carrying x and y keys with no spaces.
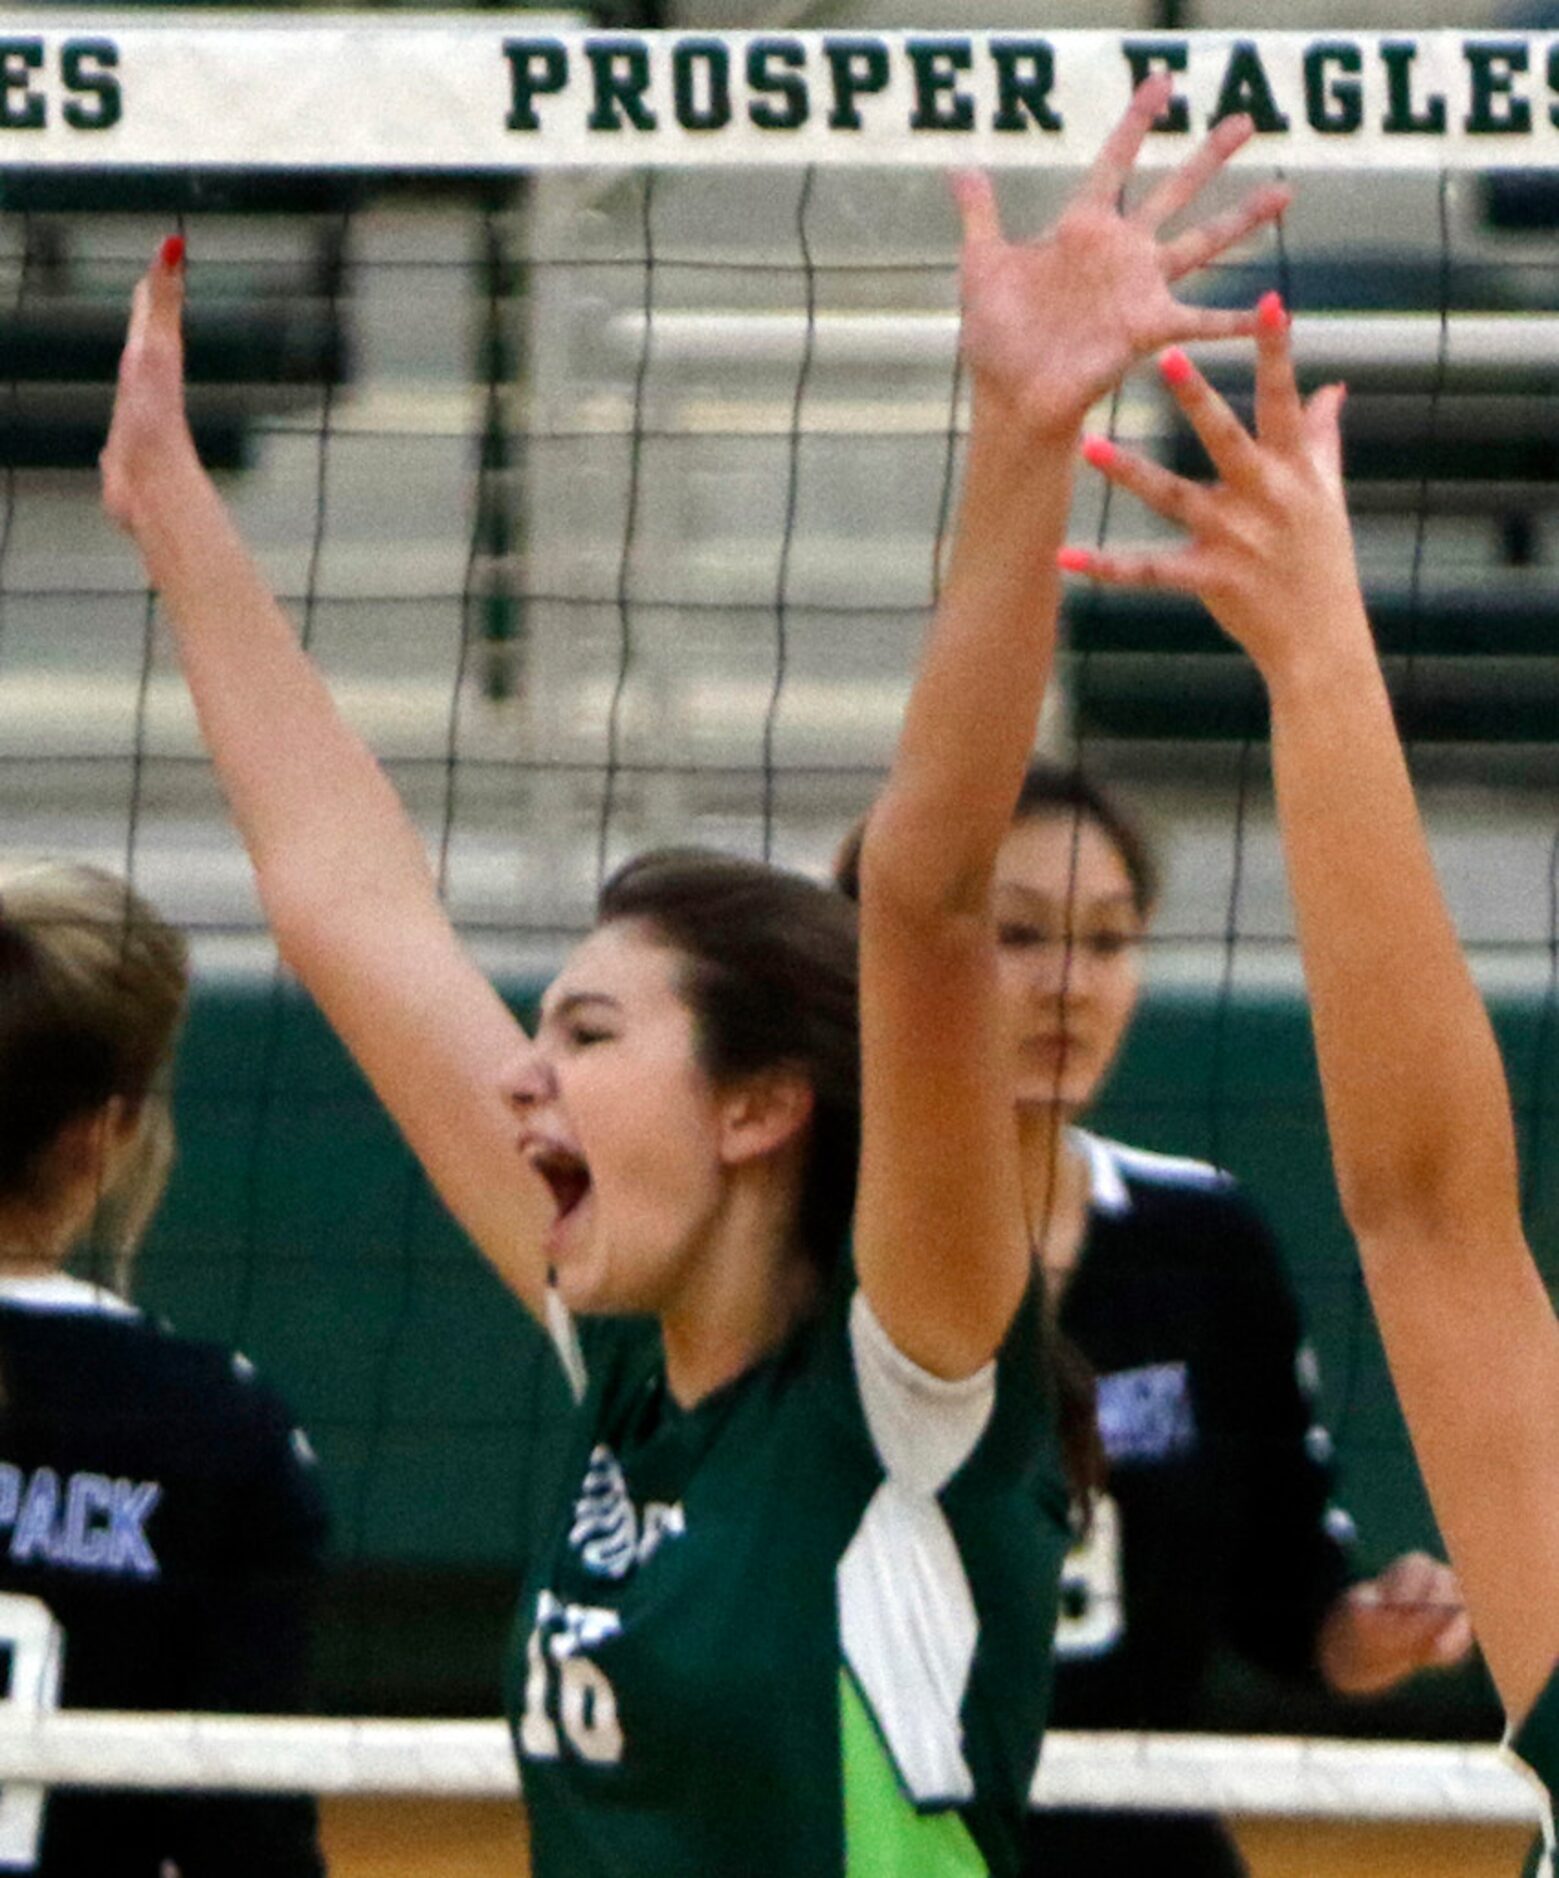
{"x":592,"y":401}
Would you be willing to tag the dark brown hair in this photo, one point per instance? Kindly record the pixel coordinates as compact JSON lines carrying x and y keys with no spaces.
{"x":769,"y":962}
{"x":1051,"y":788}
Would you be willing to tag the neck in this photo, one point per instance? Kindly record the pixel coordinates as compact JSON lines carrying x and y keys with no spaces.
{"x":746,"y":1287}
{"x":1056,"y":1189}
{"x":32,"y":1247}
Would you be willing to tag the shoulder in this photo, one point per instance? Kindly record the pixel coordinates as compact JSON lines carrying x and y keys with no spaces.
{"x":1120,"y":1174}
{"x":1151,"y":1192}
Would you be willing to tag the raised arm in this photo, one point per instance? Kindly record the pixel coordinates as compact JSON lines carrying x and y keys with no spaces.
{"x":342,"y":873}
{"x":1416,"y":1103}
{"x":1048,"y":327}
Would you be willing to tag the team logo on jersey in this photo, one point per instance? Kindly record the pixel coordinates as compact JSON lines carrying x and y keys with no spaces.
{"x":86,"y":1522}
{"x":1146,"y":1414}
{"x":610,"y":1535}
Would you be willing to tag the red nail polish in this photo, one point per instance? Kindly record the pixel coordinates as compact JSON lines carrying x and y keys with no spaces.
{"x":1074,"y":560}
{"x":1271,"y":314}
{"x":1174,"y":367}
{"x":171,"y":253}
{"x":1099,"y":451}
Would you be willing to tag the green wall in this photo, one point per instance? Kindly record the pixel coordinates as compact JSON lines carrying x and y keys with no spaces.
{"x":298,"y":1229}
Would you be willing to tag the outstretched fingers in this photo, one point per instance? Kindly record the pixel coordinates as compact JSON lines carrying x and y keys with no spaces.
{"x":1183,"y":185}
{"x":1323,"y":431}
{"x":1228,"y":443}
{"x":1174,"y":497}
{"x":157,"y":304}
{"x":1279,"y":414}
{"x":1168,"y":570}
{"x":975,"y":198}
{"x":1113,"y":165}
{"x":1204,"y":243}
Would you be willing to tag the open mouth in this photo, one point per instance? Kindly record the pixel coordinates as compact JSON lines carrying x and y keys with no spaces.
{"x":566,"y":1174}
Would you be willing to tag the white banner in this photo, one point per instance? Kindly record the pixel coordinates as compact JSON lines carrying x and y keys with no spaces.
{"x":524,"y":90}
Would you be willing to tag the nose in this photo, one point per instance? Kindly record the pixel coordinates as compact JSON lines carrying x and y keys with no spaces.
{"x":529,"y":1080}
{"x":1060,"y":970}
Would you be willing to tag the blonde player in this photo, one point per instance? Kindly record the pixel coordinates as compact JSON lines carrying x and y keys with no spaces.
{"x":162,"y":1526}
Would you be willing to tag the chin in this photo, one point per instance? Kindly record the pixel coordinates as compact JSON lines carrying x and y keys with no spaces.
{"x":1044,"y":1097}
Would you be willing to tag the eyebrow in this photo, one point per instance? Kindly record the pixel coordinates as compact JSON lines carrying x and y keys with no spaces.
{"x":1046,"y":902}
{"x":571,"y":1001}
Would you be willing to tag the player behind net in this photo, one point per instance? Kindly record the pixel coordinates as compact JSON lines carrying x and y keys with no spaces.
{"x":1216,"y":1528}
{"x":161,"y":1525}
{"x":771,"y":1629}
{"x":1422,"y":1136}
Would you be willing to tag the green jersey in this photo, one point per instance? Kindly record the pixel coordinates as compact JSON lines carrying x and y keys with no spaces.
{"x":1537,"y":1742}
{"x":802,"y":1628}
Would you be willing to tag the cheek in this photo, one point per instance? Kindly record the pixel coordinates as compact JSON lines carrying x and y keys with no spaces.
{"x":648,"y":1136}
{"x":1117,"y":1004}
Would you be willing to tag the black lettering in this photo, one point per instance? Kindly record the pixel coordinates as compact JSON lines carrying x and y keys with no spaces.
{"x":537,"y":69}
{"x":1401,"y":120}
{"x":1333,"y":106}
{"x":860,"y":69}
{"x":1025,"y":77}
{"x":620,"y":70}
{"x":761,"y":55}
{"x":1246,"y":89}
{"x":88,"y":67}
{"x":19,"y":59}
{"x":939,"y":104}
{"x":1147,"y":56}
{"x":1494,"y":65}
{"x":689,"y":59}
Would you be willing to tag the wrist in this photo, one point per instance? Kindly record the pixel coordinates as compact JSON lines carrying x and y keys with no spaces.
{"x":1033,"y":420}
{"x":1332,"y":656}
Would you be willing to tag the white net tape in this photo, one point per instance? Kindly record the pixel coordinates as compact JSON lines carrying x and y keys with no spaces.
{"x":1251,"y":1775}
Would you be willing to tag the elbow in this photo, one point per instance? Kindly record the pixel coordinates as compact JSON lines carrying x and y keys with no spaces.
{"x":1433,"y":1203}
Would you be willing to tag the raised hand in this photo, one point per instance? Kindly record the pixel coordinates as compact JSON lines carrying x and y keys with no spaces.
{"x":1270,"y":550}
{"x":148,"y":420}
{"x":1049,"y":326}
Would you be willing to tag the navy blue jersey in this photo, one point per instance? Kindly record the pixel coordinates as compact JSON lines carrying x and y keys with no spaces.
{"x":161,"y":1533}
{"x":1217,"y":1529}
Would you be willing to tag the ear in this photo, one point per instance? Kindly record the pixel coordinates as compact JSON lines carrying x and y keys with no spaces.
{"x":88,"y":1146}
{"x":79,"y":1147}
{"x":763,"y":1114}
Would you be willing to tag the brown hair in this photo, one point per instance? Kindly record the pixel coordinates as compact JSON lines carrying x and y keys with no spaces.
{"x":1051,"y":788}
{"x":769,"y":959}
{"x":93,"y":985}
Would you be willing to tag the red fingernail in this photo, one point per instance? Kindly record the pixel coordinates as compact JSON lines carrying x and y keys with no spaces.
{"x":1271,"y":314}
{"x":171,"y":253}
{"x":1174,"y":367}
{"x":1074,"y":560}
{"x":1099,"y":451}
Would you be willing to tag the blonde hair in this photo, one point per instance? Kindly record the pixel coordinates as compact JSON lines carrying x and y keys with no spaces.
{"x":93,"y":987}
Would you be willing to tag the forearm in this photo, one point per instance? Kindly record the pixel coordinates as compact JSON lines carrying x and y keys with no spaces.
{"x":969,"y":727}
{"x":1414,"y":1089}
{"x":309,"y":799}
